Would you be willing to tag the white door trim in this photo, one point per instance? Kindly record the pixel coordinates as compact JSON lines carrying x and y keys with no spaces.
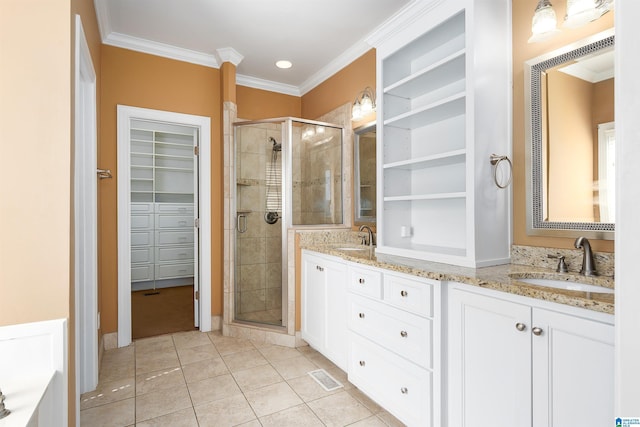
{"x":125,"y":114}
{"x":85,"y":219}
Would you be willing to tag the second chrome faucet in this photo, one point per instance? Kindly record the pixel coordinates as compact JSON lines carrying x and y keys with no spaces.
{"x":372,"y":238}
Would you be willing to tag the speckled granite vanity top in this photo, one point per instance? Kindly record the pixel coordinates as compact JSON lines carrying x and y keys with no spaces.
{"x":501,"y":278}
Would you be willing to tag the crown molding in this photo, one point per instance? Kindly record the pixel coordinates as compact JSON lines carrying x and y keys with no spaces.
{"x":161,"y":49}
{"x":269,"y":85}
{"x":413,"y":11}
{"x":228,"y":54}
{"x":104,"y":20}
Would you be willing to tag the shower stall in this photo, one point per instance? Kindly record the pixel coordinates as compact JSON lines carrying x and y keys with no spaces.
{"x":288,"y":174}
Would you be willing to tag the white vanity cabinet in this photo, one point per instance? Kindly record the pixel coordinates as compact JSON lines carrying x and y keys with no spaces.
{"x":324,"y":306}
{"x":516,"y":361}
{"x":394,"y":354}
{"x":444,"y":85}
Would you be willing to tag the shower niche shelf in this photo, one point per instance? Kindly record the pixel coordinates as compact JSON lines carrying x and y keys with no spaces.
{"x":242,"y":182}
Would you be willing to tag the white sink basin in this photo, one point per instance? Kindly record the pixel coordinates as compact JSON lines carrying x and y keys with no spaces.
{"x":569,"y":286}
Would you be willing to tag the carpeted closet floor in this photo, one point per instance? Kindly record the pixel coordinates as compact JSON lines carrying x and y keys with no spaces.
{"x":163,"y":311}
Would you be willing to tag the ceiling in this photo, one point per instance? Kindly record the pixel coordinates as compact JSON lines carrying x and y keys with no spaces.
{"x":318,"y":36}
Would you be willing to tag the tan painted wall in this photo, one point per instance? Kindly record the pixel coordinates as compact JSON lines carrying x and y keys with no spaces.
{"x":342,"y":87}
{"x":147,"y":81}
{"x":522,"y":51}
{"x":256,"y":104}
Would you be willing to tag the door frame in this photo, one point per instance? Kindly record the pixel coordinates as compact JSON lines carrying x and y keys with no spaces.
{"x":85,"y":204}
{"x":125,"y":115}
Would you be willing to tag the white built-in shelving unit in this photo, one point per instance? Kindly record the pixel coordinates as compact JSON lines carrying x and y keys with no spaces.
{"x":444,"y":77}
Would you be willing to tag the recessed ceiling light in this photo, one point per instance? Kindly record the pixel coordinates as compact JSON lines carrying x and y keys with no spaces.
{"x":284,"y":64}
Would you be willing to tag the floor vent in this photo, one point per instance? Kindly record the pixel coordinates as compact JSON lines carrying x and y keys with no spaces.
{"x":325,"y":380}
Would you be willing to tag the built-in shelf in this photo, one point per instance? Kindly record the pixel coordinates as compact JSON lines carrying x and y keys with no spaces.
{"x":245,"y":182}
{"x":451,"y":106}
{"x":439,"y":196}
{"x":442,"y":159}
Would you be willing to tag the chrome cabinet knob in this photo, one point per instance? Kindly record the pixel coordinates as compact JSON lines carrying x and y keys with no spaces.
{"x":362,"y":363}
{"x":361,"y":281}
{"x":404,"y":293}
{"x":537,"y":331}
{"x":404,"y":390}
{"x":521,"y":326}
{"x":361,"y":315}
{"x":319,"y":268}
{"x":403,"y":334}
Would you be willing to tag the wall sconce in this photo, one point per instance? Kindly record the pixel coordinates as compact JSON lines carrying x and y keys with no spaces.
{"x":579,"y":13}
{"x":364,"y":104}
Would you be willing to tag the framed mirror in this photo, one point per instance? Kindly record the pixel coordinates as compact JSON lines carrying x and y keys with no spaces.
{"x":570,"y":136}
{"x":364,"y":174}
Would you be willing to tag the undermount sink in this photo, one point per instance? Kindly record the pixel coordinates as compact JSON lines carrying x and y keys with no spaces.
{"x":563,"y":284}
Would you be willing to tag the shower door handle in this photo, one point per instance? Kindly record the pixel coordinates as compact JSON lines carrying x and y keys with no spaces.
{"x":241,"y":223}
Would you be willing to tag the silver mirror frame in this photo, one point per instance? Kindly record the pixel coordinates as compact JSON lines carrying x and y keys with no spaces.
{"x":533,"y":69}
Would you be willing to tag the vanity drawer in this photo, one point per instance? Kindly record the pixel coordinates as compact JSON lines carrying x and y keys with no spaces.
{"x":141,"y":221}
{"x":170,"y":271}
{"x":174,"y":221}
{"x":142,"y":254}
{"x":142,"y":238}
{"x":403,"y":333}
{"x":408,"y":294}
{"x":138,"y":208}
{"x":176,"y":208}
{"x":164,"y":254}
{"x":142,"y":272}
{"x":401,"y":387}
{"x":365,"y":282}
{"x":174,"y":237}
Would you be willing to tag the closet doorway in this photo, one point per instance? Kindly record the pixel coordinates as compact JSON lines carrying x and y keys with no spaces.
{"x":163,"y":287}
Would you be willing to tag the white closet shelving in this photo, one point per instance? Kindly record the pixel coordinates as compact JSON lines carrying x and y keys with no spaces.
{"x":162,"y":202}
{"x":444,"y":79}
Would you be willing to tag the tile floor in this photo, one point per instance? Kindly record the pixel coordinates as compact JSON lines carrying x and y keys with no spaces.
{"x":204,"y":379}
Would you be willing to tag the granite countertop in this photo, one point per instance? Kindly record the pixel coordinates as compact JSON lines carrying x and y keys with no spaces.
{"x":501,"y":278}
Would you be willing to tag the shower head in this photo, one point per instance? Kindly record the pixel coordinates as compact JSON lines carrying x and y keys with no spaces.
{"x":276,"y":146}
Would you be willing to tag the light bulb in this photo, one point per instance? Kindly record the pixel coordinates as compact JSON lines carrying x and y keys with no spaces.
{"x":543,"y":24}
{"x":581,"y":12}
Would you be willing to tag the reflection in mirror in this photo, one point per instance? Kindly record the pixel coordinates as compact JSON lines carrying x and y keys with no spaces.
{"x":365,"y":173}
{"x":571,"y":140}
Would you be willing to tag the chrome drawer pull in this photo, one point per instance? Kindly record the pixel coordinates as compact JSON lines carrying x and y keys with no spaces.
{"x":319,"y":268}
{"x":404,"y":293}
{"x":361,"y":315}
{"x":537,"y":331}
{"x":403,"y":334}
{"x":521,"y":326}
{"x":362,"y":363}
{"x":404,"y":390}
{"x":361,"y":281}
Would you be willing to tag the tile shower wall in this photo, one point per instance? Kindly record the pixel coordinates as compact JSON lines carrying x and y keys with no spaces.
{"x":258,"y":290}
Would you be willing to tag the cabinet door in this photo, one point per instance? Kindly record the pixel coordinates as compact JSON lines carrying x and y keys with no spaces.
{"x":489,"y":361}
{"x":573,"y":365}
{"x":314,"y":296}
{"x":336,"y":314}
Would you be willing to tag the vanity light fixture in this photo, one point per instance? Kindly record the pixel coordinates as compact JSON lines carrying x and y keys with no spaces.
{"x":364,"y":104}
{"x":284,"y":64}
{"x":581,"y":12}
{"x":543,"y":24}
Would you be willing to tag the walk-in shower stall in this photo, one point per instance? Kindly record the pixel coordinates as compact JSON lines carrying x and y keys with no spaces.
{"x":288,"y":174}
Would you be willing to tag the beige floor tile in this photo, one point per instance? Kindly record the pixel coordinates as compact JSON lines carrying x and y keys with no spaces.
{"x":339,"y":409}
{"x":183,"y":418}
{"x":108,"y":392}
{"x":118,"y":364}
{"x":272,"y":398}
{"x":365,"y":400}
{"x":230,"y":411}
{"x":190,"y":339}
{"x":150,"y":362}
{"x":254,"y":423}
{"x":230,"y":345}
{"x":297,"y":416}
{"x":390,"y":420}
{"x":211,"y":389}
{"x":369,"y":422}
{"x":199,"y":371}
{"x":163,"y":402}
{"x":276,"y":352}
{"x":293,"y":368}
{"x":197,"y":354}
{"x":257,"y":377}
{"x":244,"y":360}
{"x":116,"y":414}
{"x":308,"y":389}
{"x":153,"y":344}
{"x":159,"y":380}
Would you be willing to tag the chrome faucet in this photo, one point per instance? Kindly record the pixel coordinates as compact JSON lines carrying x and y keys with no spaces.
{"x":588,"y":266}
{"x":372,"y":238}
